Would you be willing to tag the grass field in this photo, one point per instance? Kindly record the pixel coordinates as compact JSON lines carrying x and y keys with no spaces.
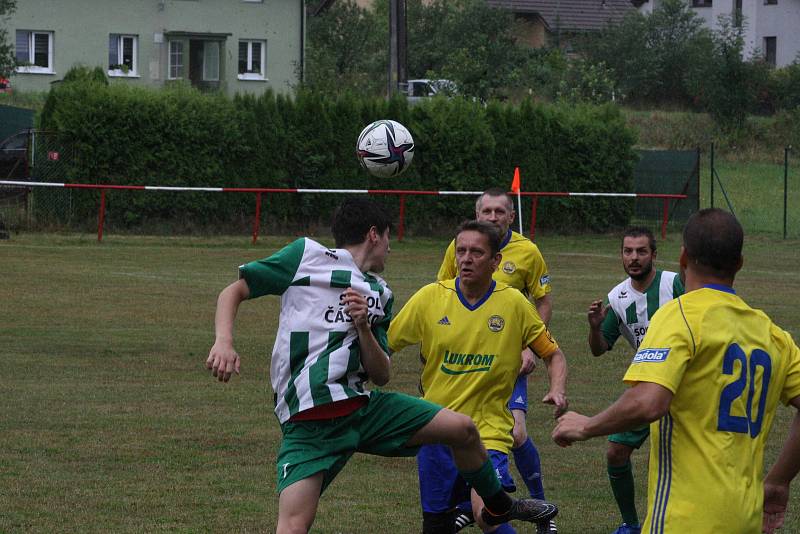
{"x":111,"y":423}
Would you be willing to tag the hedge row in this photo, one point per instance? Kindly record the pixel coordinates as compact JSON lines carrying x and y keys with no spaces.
{"x":179,"y":137}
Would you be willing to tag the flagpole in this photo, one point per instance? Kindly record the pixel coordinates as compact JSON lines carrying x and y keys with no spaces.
{"x":516,"y":188}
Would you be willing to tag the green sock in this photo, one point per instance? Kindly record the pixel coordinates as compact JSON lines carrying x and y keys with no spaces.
{"x":486,"y":484}
{"x":624,"y":492}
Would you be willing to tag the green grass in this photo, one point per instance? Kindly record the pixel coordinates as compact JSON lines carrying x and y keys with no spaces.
{"x":111,"y":423}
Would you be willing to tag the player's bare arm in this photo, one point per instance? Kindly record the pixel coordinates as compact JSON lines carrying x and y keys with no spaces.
{"x":596,"y":315}
{"x":223,"y":360}
{"x":776,"y":483}
{"x":375,"y":361}
{"x":544,"y":306}
{"x":528,"y":362}
{"x":641,"y":404}
{"x":556,"y":364}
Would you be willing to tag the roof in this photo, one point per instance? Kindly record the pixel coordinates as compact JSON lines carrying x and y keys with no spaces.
{"x":570,"y":15}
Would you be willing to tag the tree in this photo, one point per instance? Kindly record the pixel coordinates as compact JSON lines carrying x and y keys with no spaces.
{"x":727,"y":83}
{"x":7,"y":60}
{"x":347,"y":50}
{"x":651,"y":55}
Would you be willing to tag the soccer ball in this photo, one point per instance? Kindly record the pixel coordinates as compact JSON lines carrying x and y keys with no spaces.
{"x":385,"y":148}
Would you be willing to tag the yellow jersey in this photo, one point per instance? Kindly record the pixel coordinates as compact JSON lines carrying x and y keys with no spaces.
{"x":522,"y":266}
{"x":471,"y":353}
{"x":728,"y":366}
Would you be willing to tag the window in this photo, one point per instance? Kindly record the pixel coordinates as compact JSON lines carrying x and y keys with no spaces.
{"x":252,"y":60}
{"x":211,"y":61}
{"x":770,"y":2}
{"x":175,"y":60}
{"x":701,"y":3}
{"x":770,"y":50}
{"x":34,"y":52}
{"x":122,"y":52}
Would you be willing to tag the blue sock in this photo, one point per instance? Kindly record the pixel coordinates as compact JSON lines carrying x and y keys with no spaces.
{"x":530,"y":467}
{"x":505,"y":528}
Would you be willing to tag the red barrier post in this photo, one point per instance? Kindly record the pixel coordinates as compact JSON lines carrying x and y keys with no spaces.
{"x":534,"y":205}
{"x":101,"y":216}
{"x":665,"y":218}
{"x":257,"y":219}
{"x":401,"y":224}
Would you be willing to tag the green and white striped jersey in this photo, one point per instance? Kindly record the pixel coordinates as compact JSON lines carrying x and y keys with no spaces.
{"x":631,"y":310}
{"x":316,"y":358}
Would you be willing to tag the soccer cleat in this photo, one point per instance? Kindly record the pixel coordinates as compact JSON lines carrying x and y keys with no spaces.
{"x":531,"y":510}
{"x":464,"y":519}
{"x":625,"y":528}
{"x":546,"y":527}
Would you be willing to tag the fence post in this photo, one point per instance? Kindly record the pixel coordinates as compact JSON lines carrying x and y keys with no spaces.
{"x":665,"y":217}
{"x":534,"y":206}
{"x":401,"y":224}
{"x":257,"y":219}
{"x":785,"y":187}
{"x":101,"y":216}
{"x":712,"y":175}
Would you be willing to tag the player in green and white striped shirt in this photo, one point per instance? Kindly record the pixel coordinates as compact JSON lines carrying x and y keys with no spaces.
{"x":627,"y":312}
{"x":331,"y":339}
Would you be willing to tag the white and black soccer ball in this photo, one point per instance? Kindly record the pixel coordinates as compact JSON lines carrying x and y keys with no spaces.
{"x":385,"y":148}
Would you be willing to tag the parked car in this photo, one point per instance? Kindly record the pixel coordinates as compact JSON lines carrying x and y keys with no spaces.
{"x":14,"y":156}
{"x":5,"y":85}
{"x":416,"y":90}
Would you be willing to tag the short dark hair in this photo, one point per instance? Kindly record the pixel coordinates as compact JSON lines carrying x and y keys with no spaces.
{"x":640,"y":231}
{"x":353,"y":219}
{"x":495,"y":192}
{"x":713,"y":239}
{"x":486,"y":228}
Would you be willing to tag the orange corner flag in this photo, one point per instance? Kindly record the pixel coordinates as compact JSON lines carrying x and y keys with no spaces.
{"x":515,"y":184}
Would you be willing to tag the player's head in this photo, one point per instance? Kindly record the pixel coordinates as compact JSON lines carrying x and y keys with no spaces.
{"x":496,"y":207}
{"x":359,"y":220}
{"x":712,"y":244}
{"x":638,"y":252}
{"x":477,"y":251}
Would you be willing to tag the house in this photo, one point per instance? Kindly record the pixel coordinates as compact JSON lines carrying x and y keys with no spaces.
{"x":236,"y":46}
{"x":770,"y":26}
{"x":556,"y":22}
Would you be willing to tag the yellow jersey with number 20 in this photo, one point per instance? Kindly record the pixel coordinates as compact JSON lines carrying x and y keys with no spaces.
{"x":728,"y":366}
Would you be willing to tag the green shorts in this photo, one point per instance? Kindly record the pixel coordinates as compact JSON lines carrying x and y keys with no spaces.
{"x":383,"y":426}
{"x":632,"y":438}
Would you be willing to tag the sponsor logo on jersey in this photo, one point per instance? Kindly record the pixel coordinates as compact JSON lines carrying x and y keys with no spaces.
{"x":331,"y":255}
{"x":456,"y":363}
{"x":444,"y":320}
{"x":496,"y":323}
{"x":623,"y":294}
{"x":509,"y":267}
{"x":544,"y":280}
{"x":651,"y":355}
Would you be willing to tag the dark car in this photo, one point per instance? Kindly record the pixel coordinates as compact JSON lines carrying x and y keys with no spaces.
{"x":14,"y":156}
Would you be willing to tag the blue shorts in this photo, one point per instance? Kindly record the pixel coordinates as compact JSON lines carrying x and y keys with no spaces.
{"x":519,"y":397}
{"x":441,"y":487}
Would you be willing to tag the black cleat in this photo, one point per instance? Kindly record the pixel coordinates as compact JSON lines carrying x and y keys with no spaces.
{"x":464,"y":519}
{"x":531,"y":510}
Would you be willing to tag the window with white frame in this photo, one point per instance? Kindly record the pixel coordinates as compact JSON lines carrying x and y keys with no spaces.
{"x":122,"y":52}
{"x":252,"y":60}
{"x":34,"y":51}
{"x":176,"y":67}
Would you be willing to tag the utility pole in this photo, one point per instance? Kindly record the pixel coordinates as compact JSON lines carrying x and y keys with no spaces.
{"x":398,"y":44}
